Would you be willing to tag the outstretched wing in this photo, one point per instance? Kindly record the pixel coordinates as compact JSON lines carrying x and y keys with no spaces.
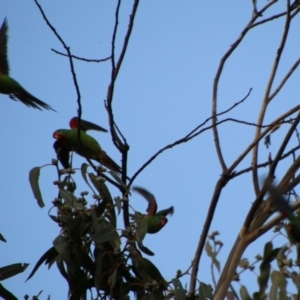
{"x":4,"y":68}
{"x":152,"y":205}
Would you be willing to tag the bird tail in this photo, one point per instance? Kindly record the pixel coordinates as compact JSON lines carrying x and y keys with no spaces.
{"x":30,"y":100}
{"x":106,"y":161}
{"x":167,"y":211}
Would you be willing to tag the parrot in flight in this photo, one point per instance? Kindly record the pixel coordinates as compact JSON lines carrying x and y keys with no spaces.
{"x":88,"y":147}
{"x":62,"y":150}
{"x":8,"y":85}
{"x":155,"y":220}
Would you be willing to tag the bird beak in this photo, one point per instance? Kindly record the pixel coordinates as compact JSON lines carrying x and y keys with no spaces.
{"x":56,"y":135}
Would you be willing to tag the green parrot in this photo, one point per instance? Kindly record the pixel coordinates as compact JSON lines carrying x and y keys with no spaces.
{"x":89,"y":147}
{"x":62,"y":150}
{"x":155,"y":220}
{"x":8,"y":85}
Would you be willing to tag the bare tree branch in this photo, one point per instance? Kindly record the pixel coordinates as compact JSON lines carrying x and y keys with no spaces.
{"x":217,"y":79}
{"x":266,"y":98}
{"x":69,"y":55}
{"x":82,"y":58}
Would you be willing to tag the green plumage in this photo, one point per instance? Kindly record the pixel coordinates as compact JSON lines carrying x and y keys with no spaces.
{"x":88,"y":147}
{"x":155,"y":220}
{"x":293,"y":227}
{"x":156,"y":223}
{"x":8,"y":85}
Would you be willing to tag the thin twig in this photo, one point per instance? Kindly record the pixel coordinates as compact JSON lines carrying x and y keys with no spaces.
{"x":272,"y":169}
{"x":266,"y":98}
{"x":284,"y":80}
{"x":82,"y":58}
{"x":225,"y":177}
{"x":115,"y":71}
{"x":265,"y":164}
{"x":68,"y":51}
{"x":217,"y":79}
{"x":77,"y":89}
{"x":117,"y":136}
{"x":240,"y":246}
{"x":221,"y":113}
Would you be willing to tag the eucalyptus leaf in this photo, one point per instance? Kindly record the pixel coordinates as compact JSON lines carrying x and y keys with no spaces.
{"x":118,"y":179}
{"x":213,"y":255}
{"x":83,"y":170}
{"x":179,"y":291}
{"x":12,"y":270}
{"x":71,"y":200}
{"x":5,"y":294}
{"x":205,"y":291}
{"x":34,"y":176}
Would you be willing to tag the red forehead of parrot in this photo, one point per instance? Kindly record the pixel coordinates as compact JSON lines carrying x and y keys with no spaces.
{"x":58,"y":135}
{"x":74,"y":123}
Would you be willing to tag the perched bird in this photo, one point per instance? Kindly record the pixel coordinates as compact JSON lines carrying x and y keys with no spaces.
{"x":62,"y":150}
{"x":155,"y":220}
{"x":87,"y":147}
{"x":10,"y":86}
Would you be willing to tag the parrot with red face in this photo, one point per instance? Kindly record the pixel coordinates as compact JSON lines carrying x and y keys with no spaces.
{"x":8,"y":85}
{"x":155,"y":220}
{"x":87,"y":147}
{"x":62,"y":150}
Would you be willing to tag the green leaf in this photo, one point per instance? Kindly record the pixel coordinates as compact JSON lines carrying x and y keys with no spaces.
{"x":12,"y":270}
{"x":145,"y":249}
{"x":281,"y":256}
{"x":263,"y":277}
{"x":47,"y":257}
{"x":268,"y":248}
{"x":274,"y":287}
{"x":244,"y":293}
{"x":34,"y":176}
{"x":61,"y":245}
{"x":105,"y":194}
{"x":105,"y":231}
{"x":5,"y":294}
{"x":118,"y":202}
{"x":282,"y":282}
{"x":205,"y":291}
{"x":152,"y":271}
{"x":296,"y":279}
{"x":71,"y":200}
{"x":270,"y":256}
{"x":98,"y":274}
{"x":179,"y":291}
{"x":83,"y":170}
{"x":112,"y":279}
{"x":118,"y":179}
{"x":213,"y":255}
{"x":142,"y":226}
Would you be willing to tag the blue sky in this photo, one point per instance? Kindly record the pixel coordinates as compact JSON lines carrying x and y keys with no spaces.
{"x":163,"y":91}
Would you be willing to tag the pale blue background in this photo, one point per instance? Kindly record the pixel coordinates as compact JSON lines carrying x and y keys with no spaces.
{"x":163,"y":91}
